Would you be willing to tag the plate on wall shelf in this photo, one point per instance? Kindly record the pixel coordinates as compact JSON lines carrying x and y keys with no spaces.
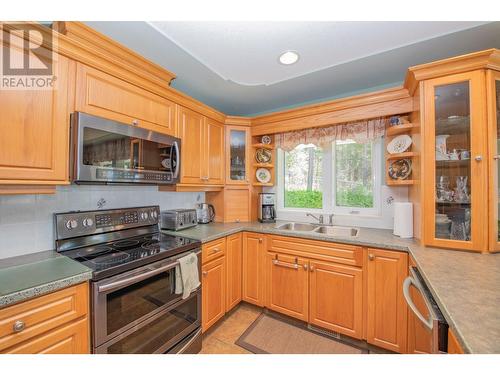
{"x":399,"y":144}
{"x":263,"y":175}
{"x":263,"y":155}
{"x":266,"y":140}
{"x":400,"y":169}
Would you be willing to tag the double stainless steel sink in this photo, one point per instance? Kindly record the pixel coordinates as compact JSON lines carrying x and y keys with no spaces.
{"x":328,"y":230}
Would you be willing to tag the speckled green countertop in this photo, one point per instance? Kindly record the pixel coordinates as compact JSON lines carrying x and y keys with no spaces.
{"x":35,"y":274}
{"x":466,"y":285}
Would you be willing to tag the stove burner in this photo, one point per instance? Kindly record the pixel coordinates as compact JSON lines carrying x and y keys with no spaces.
{"x":151,"y":245}
{"x":125,"y":244}
{"x":112,"y":258}
{"x":150,"y":237}
{"x":93,"y":251}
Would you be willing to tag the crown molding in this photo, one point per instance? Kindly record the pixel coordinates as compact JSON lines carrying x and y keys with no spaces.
{"x":487,"y":59}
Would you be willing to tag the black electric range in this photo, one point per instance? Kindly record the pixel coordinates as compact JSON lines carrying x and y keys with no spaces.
{"x":111,"y":242}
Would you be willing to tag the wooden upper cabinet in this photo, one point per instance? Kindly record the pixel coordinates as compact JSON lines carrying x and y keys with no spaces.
{"x":214,"y":151}
{"x":253,"y":268}
{"x":455,"y":165}
{"x":192,"y":134}
{"x":34,"y":126}
{"x":386,"y":307}
{"x":287,"y":285}
{"x":104,"y":95}
{"x":237,"y":155}
{"x":234,"y":268}
{"x":213,"y":292}
{"x":336,"y":297}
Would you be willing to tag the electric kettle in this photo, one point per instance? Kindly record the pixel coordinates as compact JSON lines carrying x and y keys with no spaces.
{"x":205,"y":213}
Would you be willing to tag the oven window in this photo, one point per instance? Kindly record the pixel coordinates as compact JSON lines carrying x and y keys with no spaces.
{"x":133,"y":302}
{"x":111,"y":150}
{"x":161,"y":332}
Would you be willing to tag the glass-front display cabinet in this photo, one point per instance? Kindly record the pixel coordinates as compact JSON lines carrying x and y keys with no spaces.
{"x":493,"y":95}
{"x":455,"y":169}
{"x":238,"y":154}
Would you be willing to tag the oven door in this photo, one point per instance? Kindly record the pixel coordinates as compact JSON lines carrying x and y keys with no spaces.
{"x":106,"y":151}
{"x":122,"y":302}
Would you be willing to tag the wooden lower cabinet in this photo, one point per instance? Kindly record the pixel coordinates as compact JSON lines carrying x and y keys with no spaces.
{"x":55,"y":323}
{"x":234,"y":255}
{"x":213,"y":292}
{"x":253,"y":268}
{"x":287,"y":285}
{"x":386,"y":308}
{"x":336,"y":297}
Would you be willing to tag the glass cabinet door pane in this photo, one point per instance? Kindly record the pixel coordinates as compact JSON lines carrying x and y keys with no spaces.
{"x":453,"y":161}
{"x":497,"y":110}
{"x":237,"y":152}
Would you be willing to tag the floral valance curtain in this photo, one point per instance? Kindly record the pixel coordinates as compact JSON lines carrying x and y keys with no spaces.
{"x":359,"y":131}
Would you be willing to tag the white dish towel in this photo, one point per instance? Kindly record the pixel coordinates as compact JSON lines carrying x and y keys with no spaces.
{"x":187,"y":278}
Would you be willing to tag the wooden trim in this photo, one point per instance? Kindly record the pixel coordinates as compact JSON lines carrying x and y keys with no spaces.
{"x":190,"y":187}
{"x":491,"y":100}
{"x":27,"y":189}
{"x":238,"y":121}
{"x":487,"y":59}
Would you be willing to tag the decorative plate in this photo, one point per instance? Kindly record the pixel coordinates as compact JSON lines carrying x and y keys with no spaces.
{"x":263,"y":175}
{"x":400,"y":169}
{"x":401,"y":143}
{"x":263,"y":155}
{"x":266,"y":140}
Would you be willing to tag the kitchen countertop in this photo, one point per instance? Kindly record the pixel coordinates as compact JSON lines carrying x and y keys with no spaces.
{"x":28,"y":276}
{"x":465,"y":285}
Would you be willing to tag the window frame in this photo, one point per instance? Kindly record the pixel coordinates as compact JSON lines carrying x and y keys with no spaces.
{"x":329,"y":186}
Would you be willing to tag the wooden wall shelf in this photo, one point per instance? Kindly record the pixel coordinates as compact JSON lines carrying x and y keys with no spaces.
{"x":390,"y":182}
{"x":402,"y":155}
{"x":400,"y":129}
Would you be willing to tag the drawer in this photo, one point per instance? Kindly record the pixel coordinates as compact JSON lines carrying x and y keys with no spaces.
{"x":72,"y":338}
{"x":103,"y":95}
{"x":213,"y":250}
{"x":42,"y":314}
{"x":321,"y":250}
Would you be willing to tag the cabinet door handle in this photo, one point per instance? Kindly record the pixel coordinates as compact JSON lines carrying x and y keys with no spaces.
{"x":135,"y":122}
{"x":305,"y":267}
{"x":496,"y":157}
{"x":204,"y":273}
{"x":478,"y":157}
{"x":295,"y":266}
{"x":371,"y":257}
{"x":311,"y":268}
{"x":18,"y":326}
{"x":260,"y":240}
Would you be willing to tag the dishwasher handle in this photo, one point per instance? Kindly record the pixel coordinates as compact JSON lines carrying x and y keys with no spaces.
{"x":406,"y":292}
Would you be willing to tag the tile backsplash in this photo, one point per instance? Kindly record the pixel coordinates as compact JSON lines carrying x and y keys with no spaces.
{"x":26,"y":222}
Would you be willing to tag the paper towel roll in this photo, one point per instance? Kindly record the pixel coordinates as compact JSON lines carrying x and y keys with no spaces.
{"x":403,"y":219}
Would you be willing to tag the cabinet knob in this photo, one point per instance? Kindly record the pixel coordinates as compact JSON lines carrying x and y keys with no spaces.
{"x":216,"y":250}
{"x":135,"y":122}
{"x":311,"y":268}
{"x":18,"y":326}
{"x":478,"y":157}
{"x":204,"y":273}
{"x":305,"y":267}
{"x":260,"y":240}
{"x":371,"y":257}
{"x":496,"y":157}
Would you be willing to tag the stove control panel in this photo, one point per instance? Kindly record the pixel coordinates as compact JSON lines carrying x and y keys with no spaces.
{"x":82,"y":223}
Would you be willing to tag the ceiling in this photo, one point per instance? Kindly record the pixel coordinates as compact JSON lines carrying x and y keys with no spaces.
{"x":233,"y":66}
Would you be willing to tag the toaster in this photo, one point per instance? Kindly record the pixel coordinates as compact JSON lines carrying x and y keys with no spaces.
{"x":178,"y":219}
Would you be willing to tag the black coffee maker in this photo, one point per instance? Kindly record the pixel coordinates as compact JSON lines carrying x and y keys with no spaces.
{"x":267,"y":212}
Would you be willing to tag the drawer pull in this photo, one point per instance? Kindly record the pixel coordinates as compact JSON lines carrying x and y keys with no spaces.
{"x":18,"y":326}
{"x":216,"y":250}
{"x":295,"y":266}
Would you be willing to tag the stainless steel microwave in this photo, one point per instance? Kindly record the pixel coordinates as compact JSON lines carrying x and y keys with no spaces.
{"x":105,"y":152}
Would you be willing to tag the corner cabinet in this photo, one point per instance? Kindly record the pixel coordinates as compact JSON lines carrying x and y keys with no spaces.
{"x":455,"y":177}
{"x":254,"y":246}
{"x":237,"y":155}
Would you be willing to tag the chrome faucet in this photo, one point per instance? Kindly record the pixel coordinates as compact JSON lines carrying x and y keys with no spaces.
{"x":330,"y":219}
{"x":319,"y":218}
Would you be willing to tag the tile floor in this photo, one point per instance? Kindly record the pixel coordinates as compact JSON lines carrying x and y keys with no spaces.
{"x":221,"y":338}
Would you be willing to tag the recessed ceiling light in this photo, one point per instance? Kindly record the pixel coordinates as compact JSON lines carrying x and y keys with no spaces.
{"x":289,"y":58}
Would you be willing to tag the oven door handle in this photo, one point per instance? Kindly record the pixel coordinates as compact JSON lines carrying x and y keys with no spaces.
{"x":134,"y":279}
{"x":177,"y":159}
{"x":406,"y":292}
